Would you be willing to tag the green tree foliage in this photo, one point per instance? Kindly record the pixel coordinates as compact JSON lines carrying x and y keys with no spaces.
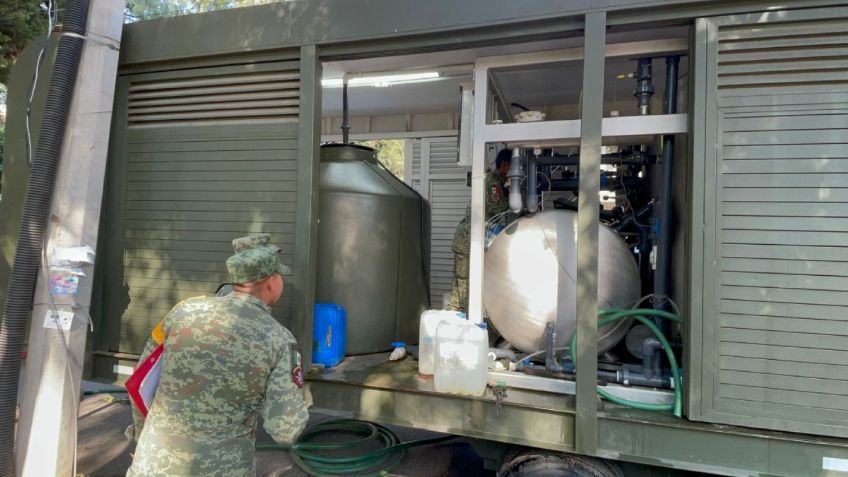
{"x":147,"y":9}
{"x":389,"y":153}
{"x":20,"y":22}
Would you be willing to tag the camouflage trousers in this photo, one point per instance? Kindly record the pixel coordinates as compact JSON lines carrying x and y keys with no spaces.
{"x":459,"y":295}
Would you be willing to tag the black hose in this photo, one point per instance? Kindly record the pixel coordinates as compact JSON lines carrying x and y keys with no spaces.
{"x":663,"y":211}
{"x":33,"y":223}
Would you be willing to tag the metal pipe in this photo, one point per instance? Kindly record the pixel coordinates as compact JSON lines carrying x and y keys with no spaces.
{"x":630,"y":377}
{"x":644,"y":87}
{"x":650,"y":361}
{"x":634,"y":217}
{"x":607,"y":181}
{"x":636,"y":159}
{"x":663,"y":209}
{"x":500,"y":353}
{"x":551,"y":363}
{"x":515,"y":174}
{"x":345,"y":114}
{"x":532,"y":197}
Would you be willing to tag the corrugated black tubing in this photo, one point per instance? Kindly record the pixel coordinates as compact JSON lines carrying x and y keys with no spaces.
{"x":31,"y":234}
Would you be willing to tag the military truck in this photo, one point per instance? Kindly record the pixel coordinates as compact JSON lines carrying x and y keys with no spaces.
{"x":711,"y":131}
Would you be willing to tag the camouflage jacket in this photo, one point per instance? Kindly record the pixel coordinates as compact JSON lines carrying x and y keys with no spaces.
{"x":226,"y":360}
{"x":497,"y":202}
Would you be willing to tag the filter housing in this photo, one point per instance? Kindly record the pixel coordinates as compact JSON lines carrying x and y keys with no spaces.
{"x":530,"y":279}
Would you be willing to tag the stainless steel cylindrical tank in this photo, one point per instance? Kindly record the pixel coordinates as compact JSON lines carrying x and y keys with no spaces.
{"x":530,"y":279}
{"x":373,"y":248}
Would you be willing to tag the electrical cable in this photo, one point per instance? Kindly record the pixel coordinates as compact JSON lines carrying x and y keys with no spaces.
{"x":629,"y":205}
{"x":496,"y":217}
{"x":52,"y":17}
{"x":541,"y":352}
{"x":654,"y":299}
{"x":367,"y":463}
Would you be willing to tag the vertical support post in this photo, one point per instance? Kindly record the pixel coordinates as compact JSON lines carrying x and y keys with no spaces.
{"x":532,"y":198}
{"x":49,"y":400}
{"x":591,"y":115}
{"x":424,"y":168}
{"x":478,"y":174}
{"x":698,"y":340}
{"x":308,"y":174}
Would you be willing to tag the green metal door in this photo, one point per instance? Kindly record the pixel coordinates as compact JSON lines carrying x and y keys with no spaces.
{"x":769,"y":278}
{"x":199,"y":156}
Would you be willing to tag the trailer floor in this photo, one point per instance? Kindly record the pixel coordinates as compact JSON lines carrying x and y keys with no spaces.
{"x":372,"y":388}
{"x":377,"y":372}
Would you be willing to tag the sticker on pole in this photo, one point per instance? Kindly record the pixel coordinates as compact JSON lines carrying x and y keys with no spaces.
{"x":58,"y":319}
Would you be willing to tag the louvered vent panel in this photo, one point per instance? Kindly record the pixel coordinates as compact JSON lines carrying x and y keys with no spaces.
{"x":449,"y":196}
{"x":416,"y":161}
{"x":265,"y":96}
{"x":210,"y":154}
{"x":781,"y":224}
{"x":443,"y":156}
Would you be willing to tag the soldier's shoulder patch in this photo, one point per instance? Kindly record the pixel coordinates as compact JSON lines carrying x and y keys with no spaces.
{"x":297,"y":377}
{"x":495,"y":193}
{"x":158,"y":334}
{"x":296,"y":366}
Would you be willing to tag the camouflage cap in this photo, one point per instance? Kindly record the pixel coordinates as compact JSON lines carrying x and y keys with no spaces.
{"x":255,"y":259}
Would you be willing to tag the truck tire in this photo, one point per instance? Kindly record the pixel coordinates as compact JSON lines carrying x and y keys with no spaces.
{"x":541,"y":463}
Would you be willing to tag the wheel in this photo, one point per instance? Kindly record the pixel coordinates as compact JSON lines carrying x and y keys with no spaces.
{"x":542,"y":463}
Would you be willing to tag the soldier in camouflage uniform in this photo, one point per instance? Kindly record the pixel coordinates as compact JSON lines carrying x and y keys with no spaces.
{"x":497,"y":202}
{"x":226,"y":361}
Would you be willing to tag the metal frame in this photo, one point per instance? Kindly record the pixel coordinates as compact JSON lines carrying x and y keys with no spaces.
{"x":594,"y":54}
{"x":547,"y":421}
{"x":393,"y":28}
{"x":306,"y":254}
{"x":544,"y":132}
{"x":591,"y":114}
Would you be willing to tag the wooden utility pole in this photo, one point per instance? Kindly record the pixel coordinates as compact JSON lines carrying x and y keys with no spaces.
{"x":49,"y":398}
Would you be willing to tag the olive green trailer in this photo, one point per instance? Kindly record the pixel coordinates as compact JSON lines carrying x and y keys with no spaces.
{"x":217,"y":129}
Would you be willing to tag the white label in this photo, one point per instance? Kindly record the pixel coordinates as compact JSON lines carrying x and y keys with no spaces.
{"x":59,"y":318}
{"x":76,"y":255}
{"x":832,"y":463}
{"x":121,"y":369}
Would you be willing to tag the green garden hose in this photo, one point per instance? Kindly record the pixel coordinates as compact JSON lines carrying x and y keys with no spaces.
{"x":612,"y":315}
{"x":371,"y":463}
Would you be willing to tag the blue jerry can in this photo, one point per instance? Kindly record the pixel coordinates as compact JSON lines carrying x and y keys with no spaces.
{"x":329,"y":330}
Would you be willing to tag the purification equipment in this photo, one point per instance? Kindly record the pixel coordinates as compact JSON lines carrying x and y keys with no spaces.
{"x":529,"y":280}
{"x":373,"y":242}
